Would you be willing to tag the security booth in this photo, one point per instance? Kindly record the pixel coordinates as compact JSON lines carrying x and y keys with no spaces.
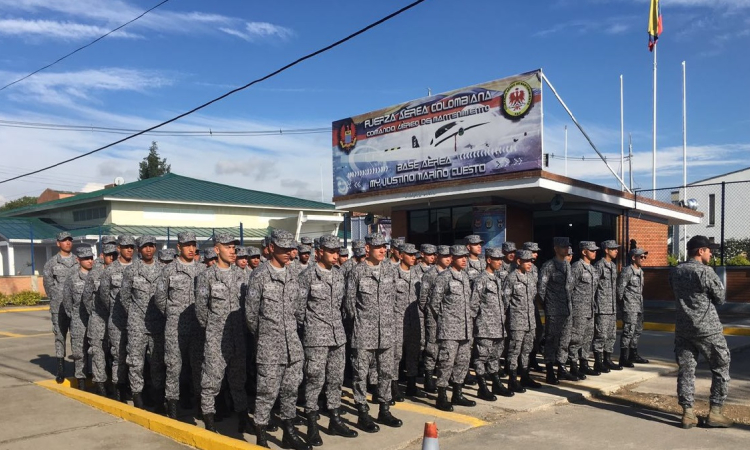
{"x":470,"y":161}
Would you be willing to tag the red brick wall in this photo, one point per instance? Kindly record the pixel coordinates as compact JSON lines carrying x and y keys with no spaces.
{"x":656,"y":284}
{"x":651,"y":236}
{"x":520,"y":225}
{"x":13,"y":285}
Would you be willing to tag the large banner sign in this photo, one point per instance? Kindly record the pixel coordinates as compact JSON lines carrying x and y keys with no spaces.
{"x":487,"y":129}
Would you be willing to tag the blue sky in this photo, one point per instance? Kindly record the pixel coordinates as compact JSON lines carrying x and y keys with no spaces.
{"x":189,"y":51}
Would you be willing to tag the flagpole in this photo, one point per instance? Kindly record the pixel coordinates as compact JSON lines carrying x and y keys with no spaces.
{"x":653,"y":162}
{"x":566,"y":150}
{"x":622,"y":135}
{"x":684,"y":154}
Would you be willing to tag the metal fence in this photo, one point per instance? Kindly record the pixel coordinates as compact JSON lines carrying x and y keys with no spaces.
{"x":726,"y":214}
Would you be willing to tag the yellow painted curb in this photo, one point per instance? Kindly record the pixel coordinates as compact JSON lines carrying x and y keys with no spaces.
{"x":5,"y":335}
{"x":453,"y":417}
{"x":734,"y":331}
{"x":173,"y":429}
{"x":31,"y":309}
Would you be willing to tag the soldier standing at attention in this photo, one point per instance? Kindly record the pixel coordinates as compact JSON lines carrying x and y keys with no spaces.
{"x":242,"y":261}
{"x":166,"y":256}
{"x":408,"y":328}
{"x":489,"y":326}
{"x":630,"y":298}
{"x":322,"y":294}
{"x":56,"y":270}
{"x":396,"y":250}
{"x":210,"y":257}
{"x":304,"y":259}
{"x":253,"y":261}
{"x":533,"y":247}
{"x":117,"y":326}
{"x":343,"y":257}
{"x":370,"y":302}
{"x":451,"y":303}
{"x":429,"y":256}
{"x":273,"y":309}
{"x":519,"y":292}
{"x":145,"y":322}
{"x":442,"y":262}
{"x":509,"y":256}
{"x":96,"y":332}
{"x":554,"y":287}
{"x":75,"y":309}
{"x":584,"y":279}
{"x":605,"y":320}
{"x":698,"y":330}
{"x":183,"y":337}
{"x":474,"y":265}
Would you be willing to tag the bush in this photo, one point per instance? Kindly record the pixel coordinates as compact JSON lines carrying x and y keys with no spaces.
{"x":738,"y":260}
{"x":672,"y":260}
{"x":24,"y":298}
{"x":736,"y":247}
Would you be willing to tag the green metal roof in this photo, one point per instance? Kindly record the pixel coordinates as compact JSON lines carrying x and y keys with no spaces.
{"x":12,"y":228}
{"x":176,"y":188}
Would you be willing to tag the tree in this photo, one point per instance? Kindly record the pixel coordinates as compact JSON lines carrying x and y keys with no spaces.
{"x":18,"y":203}
{"x":153,"y":166}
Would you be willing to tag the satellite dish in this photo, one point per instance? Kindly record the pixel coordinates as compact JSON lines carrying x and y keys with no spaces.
{"x":119,"y":181}
{"x":557,"y":203}
{"x":369,"y":219}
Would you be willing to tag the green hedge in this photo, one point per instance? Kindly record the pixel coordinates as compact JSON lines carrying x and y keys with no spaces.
{"x":25,"y":298}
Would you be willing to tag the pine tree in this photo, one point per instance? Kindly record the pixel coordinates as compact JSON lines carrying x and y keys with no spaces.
{"x":153,"y":166}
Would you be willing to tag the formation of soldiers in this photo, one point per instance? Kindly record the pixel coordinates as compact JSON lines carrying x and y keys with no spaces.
{"x":287,"y":323}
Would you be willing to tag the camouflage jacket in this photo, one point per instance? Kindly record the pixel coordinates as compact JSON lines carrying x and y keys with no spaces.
{"x":554,"y":287}
{"x":451,"y":303}
{"x":519,"y":292}
{"x":630,"y":290}
{"x":73,"y":294}
{"x":585,"y":277}
{"x":487,"y":297}
{"x":175,"y":290}
{"x":139,"y":283}
{"x":322,"y":294}
{"x":56,"y":270}
{"x":110,"y":286}
{"x":606,"y":290}
{"x":371,"y":302}
{"x":697,"y":291}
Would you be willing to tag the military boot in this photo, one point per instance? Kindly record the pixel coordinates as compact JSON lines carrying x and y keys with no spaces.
{"x":483,"y":392}
{"x":625,"y":357}
{"x":138,"y":400}
{"x":577,"y":374}
{"x":386,"y":418}
{"x":583,"y":365}
{"x":458,"y":398}
{"x":364,"y":421}
{"x":551,"y":377}
{"x":313,"y":433}
{"x":609,"y":363}
{"x":396,"y":393}
{"x":208,"y":422}
{"x":636,"y":358}
{"x":717,"y":419}
{"x":442,"y":400}
{"x":100,"y":389}
{"x":60,"y":370}
{"x":689,"y":420}
{"x":534,"y":364}
{"x":172,"y":409}
{"x":563,"y":374}
{"x":81,"y":384}
{"x":290,"y":438}
{"x":599,"y":363}
{"x":411,"y":388}
{"x":470,"y":379}
{"x":337,"y":427}
{"x":429,"y":382}
{"x":513,"y":383}
{"x":160,"y":407}
{"x":527,"y":381}
{"x":243,"y":422}
{"x":261,"y":437}
{"x":498,"y":388}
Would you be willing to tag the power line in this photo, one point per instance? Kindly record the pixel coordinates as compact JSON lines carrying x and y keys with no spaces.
{"x":233,"y":91}
{"x":81,"y":48}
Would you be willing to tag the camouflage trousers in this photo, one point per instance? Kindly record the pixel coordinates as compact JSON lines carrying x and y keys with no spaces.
{"x":539,"y":331}
{"x":398,"y":351}
{"x":98,"y":349}
{"x":486,"y":355}
{"x":60,"y":328}
{"x":714,"y":349}
{"x":632,"y":327}
{"x":224,"y":350}
{"x":605,"y":332}
{"x":118,"y":340}
{"x":556,"y":339}
{"x":519,"y":348}
{"x":361,"y":360}
{"x":183,"y":343}
{"x":414,"y":339}
{"x":581,"y":336}
{"x":139,"y":344}
{"x":453,"y":361}
{"x":430,"y":346}
{"x":324,"y":366}
{"x":277,"y":380}
{"x":78,"y":345}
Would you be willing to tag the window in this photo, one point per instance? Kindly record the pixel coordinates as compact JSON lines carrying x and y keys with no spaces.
{"x":711,"y":210}
{"x":441,"y":226}
{"x":83,"y":215}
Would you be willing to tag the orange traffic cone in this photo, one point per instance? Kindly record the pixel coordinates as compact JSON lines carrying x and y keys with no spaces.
{"x":430,"y":440}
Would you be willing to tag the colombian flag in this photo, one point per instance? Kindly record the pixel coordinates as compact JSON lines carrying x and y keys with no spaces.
{"x":654,"y":24}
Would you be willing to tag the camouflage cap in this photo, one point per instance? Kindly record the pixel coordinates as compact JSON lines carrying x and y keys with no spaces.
{"x":561,"y":241}
{"x":108,"y":249}
{"x":282,"y":239}
{"x":570,"y":251}
{"x":418,"y":255}
{"x":428,"y":249}
{"x":397,"y":242}
{"x":225,"y":239}
{"x":637,"y":252}
{"x":186,"y":237}
{"x":61,"y":236}
{"x":316,"y":243}
{"x":125,"y":240}
{"x":375,"y":239}
{"x":409,"y":249}
{"x":358,"y":243}
{"x":359,"y":252}
{"x":444,"y":250}
{"x":493,"y":252}
{"x":531,"y":246}
{"x":84,"y":251}
{"x":344,"y":252}
{"x":509,"y":247}
{"x":330,"y":242}
{"x":459,"y":250}
{"x":144,"y":240}
{"x":165,"y":254}
{"x":610,"y":244}
{"x":109,"y":239}
{"x":588,"y":245}
{"x":306,"y":240}
{"x":304,"y":248}
{"x":241,"y":251}
{"x":525,"y":255}
{"x":210,"y":253}
{"x":253,"y":252}
{"x":474,"y":239}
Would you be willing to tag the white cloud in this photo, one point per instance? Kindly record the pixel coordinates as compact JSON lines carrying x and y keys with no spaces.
{"x":91,"y":187}
{"x":55,"y":29}
{"x":611,"y":25}
{"x":256,"y":31}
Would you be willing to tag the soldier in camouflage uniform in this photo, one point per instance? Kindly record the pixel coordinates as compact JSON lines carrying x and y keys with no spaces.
{"x":105,"y":240}
{"x":630,"y":300}
{"x":110,"y":287}
{"x":442,"y":262}
{"x":396,"y":244}
{"x":415,"y":333}
{"x":554,"y":288}
{"x":166,"y":256}
{"x":242,"y":261}
{"x":370,"y":303}
{"x":489,"y":326}
{"x":408,"y":328}
{"x":605,"y":319}
{"x":56,"y":270}
{"x":183,"y":337}
{"x":219,"y":312}
{"x":584,"y":278}
{"x":509,"y":256}
{"x":273,"y":311}
{"x":305,"y":252}
{"x":209,"y":257}
{"x":343,"y":257}
{"x":96,"y":332}
{"x":520,"y":292}
{"x":475,"y":265}
{"x":451,"y":304}
{"x":429,"y":256}
{"x":698,"y":330}
{"x":75,"y":309}
{"x":145,"y":325}
{"x":322,"y":295}
{"x":358,"y":255}
{"x":533,"y":247}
